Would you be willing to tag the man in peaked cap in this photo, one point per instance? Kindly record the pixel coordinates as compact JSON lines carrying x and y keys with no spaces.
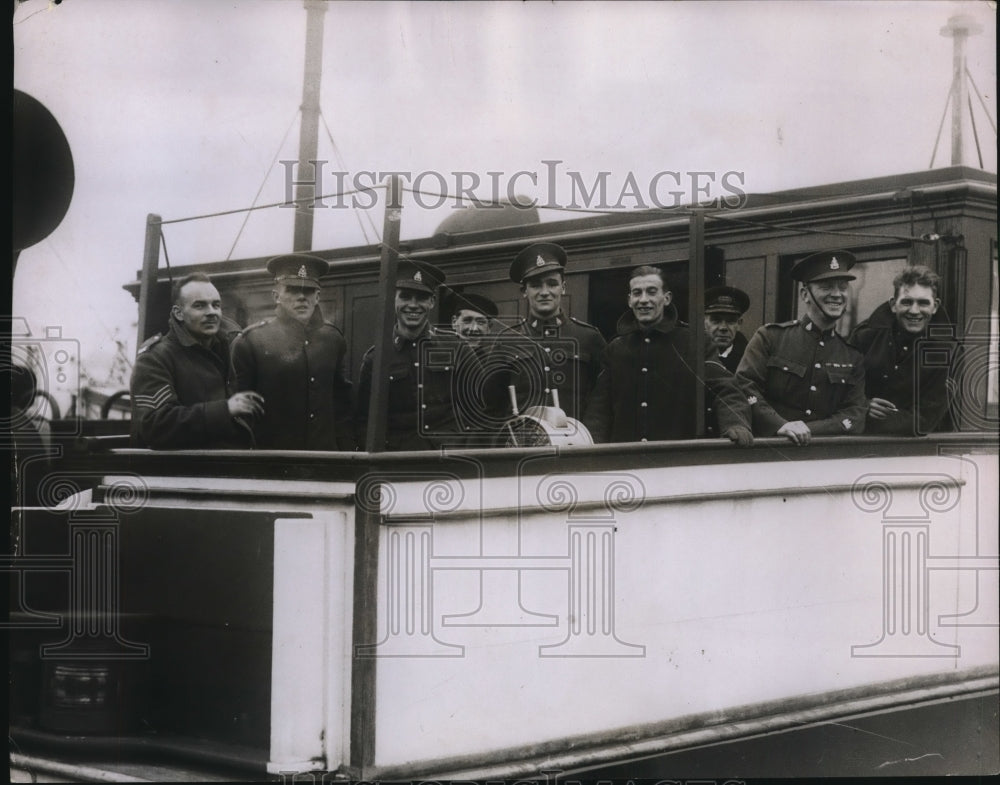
{"x":724,"y":309}
{"x":549,"y":350}
{"x":470,"y":315}
{"x":296,"y":361}
{"x":802,"y":379}
{"x":422,"y":411}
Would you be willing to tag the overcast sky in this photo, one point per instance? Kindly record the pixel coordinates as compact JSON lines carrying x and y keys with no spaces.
{"x":179,"y":108}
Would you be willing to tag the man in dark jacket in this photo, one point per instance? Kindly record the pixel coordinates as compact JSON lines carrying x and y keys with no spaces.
{"x":426,"y":368}
{"x":802,"y":378}
{"x":724,"y":309}
{"x":296,"y":361}
{"x":550,"y":355}
{"x":181,"y":385}
{"x":906,"y":368}
{"x":646,"y":388}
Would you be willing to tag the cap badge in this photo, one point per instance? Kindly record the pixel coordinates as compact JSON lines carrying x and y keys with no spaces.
{"x":539,"y":261}
{"x":726,"y":299}
{"x":752,"y":400}
{"x":418,"y":277}
{"x":847,"y":423}
{"x":302,"y":272}
{"x":834,"y":264}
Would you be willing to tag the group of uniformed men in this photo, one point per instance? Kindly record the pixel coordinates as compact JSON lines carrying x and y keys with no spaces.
{"x":282,"y":383}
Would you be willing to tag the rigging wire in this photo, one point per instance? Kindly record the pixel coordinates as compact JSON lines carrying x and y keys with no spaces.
{"x":944,"y":114}
{"x":975,"y":134}
{"x":263,"y":183}
{"x":273,"y":204}
{"x":343,"y":167}
{"x":803,"y":230}
{"x":975,"y":89}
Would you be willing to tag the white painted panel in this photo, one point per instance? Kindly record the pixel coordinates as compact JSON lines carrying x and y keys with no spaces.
{"x":713,"y":601}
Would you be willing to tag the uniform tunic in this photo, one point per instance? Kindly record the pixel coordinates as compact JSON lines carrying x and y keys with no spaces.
{"x":795,"y":371}
{"x":560,"y":353}
{"x":894,"y":371}
{"x":646,"y":387}
{"x":179,"y":392}
{"x":299,"y":369}
{"x":425,"y":410}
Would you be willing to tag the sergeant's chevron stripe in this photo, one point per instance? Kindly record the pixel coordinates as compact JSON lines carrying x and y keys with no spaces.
{"x":163,"y":395}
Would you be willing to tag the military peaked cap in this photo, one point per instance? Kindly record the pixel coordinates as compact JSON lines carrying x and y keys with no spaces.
{"x":536,"y":259}
{"x":726,"y":299}
{"x":824,"y":266}
{"x":298,"y":269}
{"x":470,"y":301}
{"x":419,"y":276}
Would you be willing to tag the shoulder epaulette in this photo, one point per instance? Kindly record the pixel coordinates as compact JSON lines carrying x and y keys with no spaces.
{"x":583,"y":324}
{"x":791,"y":323}
{"x":255,"y":325}
{"x":149,"y":343}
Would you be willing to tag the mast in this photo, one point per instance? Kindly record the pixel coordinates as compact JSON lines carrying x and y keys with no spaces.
{"x":305,"y":185}
{"x":959,"y":28}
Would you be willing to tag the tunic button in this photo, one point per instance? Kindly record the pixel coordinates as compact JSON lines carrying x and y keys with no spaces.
{"x":307,"y":343}
{"x":645,"y":370}
{"x":548,"y":349}
{"x":311,"y":416}
{"x":822,"y":344}
{"x":547,"y":389}
{"x":420,"y":386}
{"x":312,"y":378}
{"x":785,"y":368}
{"x":817,"y":365}
{"x":416,"y":365}
{"x":809,"y":411}
{"x":644,"y":404}
{"x":812,"y":387}
{"x":708,"y":409}
{"x":547,"y":368}
{"x":646,"y":340}
{"x":644,"y":439}
{"x":423,"y":406}
{"x":391,"y":377}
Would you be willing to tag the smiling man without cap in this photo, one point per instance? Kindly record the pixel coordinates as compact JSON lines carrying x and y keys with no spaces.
{"x":907,"y":385}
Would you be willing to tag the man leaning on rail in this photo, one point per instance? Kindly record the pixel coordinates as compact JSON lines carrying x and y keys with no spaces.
{"x":181,"y":384}
{"x":646,"y":387}
{"x":906,"y":367}
{"x":801,"y":377}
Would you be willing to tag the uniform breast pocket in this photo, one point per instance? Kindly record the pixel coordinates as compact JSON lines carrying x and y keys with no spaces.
{"x":783,"y":374}
{"x":841,"y":376}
